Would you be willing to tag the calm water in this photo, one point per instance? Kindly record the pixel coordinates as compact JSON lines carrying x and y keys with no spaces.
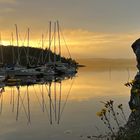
{"x":38,"y":112}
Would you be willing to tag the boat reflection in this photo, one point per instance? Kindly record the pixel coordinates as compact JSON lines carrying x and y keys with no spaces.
{"x":1,"y":99}
{"x":48,"y":92}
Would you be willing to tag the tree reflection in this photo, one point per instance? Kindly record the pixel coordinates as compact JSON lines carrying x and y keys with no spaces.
{"x":47,"y":93}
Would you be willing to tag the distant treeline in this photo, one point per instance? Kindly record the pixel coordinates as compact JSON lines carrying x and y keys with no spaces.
{"x":29,"y":56}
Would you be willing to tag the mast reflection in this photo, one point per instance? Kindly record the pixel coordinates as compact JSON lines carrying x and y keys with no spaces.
{"x":48,"y":93}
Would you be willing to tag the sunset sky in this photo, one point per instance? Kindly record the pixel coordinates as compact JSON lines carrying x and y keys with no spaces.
{"x":92,"y":28}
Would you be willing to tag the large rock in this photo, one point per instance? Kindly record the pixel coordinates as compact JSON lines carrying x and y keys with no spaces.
{"x":131,"y":131}
{"x":136,"y":49}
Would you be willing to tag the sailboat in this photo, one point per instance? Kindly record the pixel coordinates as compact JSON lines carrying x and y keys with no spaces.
{"x":64,"y":67}
{"x":20,"y":70}
{"x":59,"y":67}
{"x":2,"y":69}
{"x":47,"y":67}
{"x":12,"y":70}
{"x":53,"y":67}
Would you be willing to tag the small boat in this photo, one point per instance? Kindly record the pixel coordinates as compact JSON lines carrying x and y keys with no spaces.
{"x":2,"y":78}
{"x":11,"y":80}
{"x":45,"y":70}
{"x":65,"y":68}
{"x":27,"y":72}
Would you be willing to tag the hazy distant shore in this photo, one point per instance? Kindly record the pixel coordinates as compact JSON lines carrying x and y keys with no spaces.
{"x":107,"y":63}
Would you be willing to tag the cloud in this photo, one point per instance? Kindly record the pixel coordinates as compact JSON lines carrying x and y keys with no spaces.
{"x":7,"y":6}
{"x":7,"y":10}
{"x":8,"y":1}
{"x":96,"y":39}
{"x":84,"y":43}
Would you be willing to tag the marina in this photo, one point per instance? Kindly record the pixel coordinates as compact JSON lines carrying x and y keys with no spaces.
{"x":47,"y":62}
{"x":69,"y":70}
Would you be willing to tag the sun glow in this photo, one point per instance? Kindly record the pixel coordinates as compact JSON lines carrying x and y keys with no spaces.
{"x":81,"y":43}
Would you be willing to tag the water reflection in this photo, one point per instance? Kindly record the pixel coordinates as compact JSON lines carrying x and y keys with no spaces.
{"x":1,"y":99}
{"x":77,"y":117}
{"x":48,"y":93}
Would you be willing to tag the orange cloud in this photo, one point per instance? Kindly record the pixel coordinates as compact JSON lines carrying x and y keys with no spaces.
{"x":82,"y":43}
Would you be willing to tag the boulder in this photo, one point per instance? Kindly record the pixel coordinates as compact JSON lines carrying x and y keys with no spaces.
{"x":136,"y":49}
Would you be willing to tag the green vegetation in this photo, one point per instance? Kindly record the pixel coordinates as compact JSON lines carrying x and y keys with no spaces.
{"x":29,"y":56}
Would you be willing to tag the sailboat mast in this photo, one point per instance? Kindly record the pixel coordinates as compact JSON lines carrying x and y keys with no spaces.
{"x":12,"y":37}
{"x":13,"y":48}
{"x":50,"y":41}
{"x":59,"y":40}
{"x":1,"y":48}
{"x":17,"y":41}
{"x":54,"y":43}
{"x":42,"y":48}
{"x":28,"y":44}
